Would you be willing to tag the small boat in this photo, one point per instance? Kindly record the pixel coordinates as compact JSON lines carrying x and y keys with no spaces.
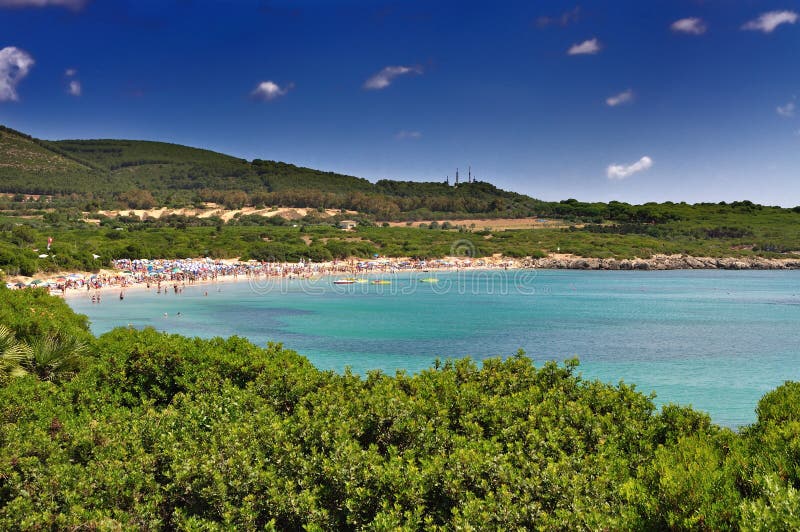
{"x":429,"y":280}
{"x":344,"y":281}
{"x":362,"y":281}
{"x":381,"y":281}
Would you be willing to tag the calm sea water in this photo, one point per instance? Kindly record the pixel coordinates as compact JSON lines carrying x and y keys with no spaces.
{"x":715,"y":340}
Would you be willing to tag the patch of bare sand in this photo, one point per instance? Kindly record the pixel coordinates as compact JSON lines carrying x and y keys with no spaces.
{"x":498,"y":224}
{"x":211,"y":209}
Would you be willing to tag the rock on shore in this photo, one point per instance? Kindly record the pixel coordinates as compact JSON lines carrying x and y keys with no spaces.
{"x":664,"y":262}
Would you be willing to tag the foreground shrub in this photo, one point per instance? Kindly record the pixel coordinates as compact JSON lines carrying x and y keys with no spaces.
{"x":164,"y":432}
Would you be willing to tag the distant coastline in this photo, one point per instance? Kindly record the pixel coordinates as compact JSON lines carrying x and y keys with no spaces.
{"x":115,"y":278}
{"x":663,"y":262}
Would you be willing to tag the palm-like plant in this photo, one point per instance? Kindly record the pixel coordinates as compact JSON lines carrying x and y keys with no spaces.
{"x":55,"y":358}
{"x":13,"y":355}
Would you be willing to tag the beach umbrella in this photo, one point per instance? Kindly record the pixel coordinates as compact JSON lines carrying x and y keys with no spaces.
{"x":177,"y":270}
{"x":20,"y":284}
{"x":37,"y":282}
{"x":75,"y":276}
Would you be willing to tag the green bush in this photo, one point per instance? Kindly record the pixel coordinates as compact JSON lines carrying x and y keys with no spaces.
{"x":164,"y":432}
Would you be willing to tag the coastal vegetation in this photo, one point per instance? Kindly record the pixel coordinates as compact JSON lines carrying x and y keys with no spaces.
{"x":88,"y":175}
{"x":56,"y":189}
{"x":159,"y":431}
{"x":743,"y":231}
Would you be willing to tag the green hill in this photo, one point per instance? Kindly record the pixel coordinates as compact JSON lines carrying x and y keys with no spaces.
{"x":33,"y":166}
{"x":141,"y":173}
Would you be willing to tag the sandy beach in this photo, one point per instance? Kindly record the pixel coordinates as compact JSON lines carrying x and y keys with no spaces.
{"x":174,"y":274}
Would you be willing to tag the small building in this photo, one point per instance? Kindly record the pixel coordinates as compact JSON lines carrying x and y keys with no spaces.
{"x":347,"y":224}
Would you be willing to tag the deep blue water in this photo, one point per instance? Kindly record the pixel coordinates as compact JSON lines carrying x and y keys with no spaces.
{"x":717,"y":340}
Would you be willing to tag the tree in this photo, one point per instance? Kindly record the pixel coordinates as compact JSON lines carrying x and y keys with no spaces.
{"x":138,"y":199}
{"x":55,"y":358}
{"x":12,"y":355}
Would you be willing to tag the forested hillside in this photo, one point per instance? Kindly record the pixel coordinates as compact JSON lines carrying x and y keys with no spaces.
{"x":142,"y":174}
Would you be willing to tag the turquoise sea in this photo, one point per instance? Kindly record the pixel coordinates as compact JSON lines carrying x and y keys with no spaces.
{"x":716,"y":340}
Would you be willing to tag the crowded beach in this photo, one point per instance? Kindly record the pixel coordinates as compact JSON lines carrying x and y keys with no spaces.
{"x":174,"y":274}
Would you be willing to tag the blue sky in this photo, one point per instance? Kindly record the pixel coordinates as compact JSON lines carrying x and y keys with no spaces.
{"x":705,"y":110}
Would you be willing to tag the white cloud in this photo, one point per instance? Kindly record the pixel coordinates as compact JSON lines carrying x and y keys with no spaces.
{"x":384,"y":78}
{"x":619,"y":99}
{"x":767,"y":22}
{"x":622,"y":171}
{"x":72,"y":4}
{"x":786,"y":110}
{"x":74,"y":88}
{"x":590,"y":47}
{"x":563,"y":20}
{"x":406,"y":134}
{"x":690,"y":25}
{"x":269,"y":90}
{"x":70,"y":72}
{"x":14,"y":65}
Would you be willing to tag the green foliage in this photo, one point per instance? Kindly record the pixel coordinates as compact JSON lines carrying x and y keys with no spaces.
{"x":777,"y":509}
{"x":56,"y":357}
{"x":32,"y":314}
{"x":12,"y":355}
{"x":780,"y":405}
{"x":164,"y":432}
{"x":85,"y":175}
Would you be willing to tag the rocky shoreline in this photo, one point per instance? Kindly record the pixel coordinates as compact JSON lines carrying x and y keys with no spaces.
{"x":664,"y":262}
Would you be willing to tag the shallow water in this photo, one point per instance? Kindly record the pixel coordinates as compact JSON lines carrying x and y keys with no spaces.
{"x":717,"y":340}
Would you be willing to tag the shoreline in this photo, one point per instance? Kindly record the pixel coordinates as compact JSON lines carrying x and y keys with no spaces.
{"x":115,"y":279}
